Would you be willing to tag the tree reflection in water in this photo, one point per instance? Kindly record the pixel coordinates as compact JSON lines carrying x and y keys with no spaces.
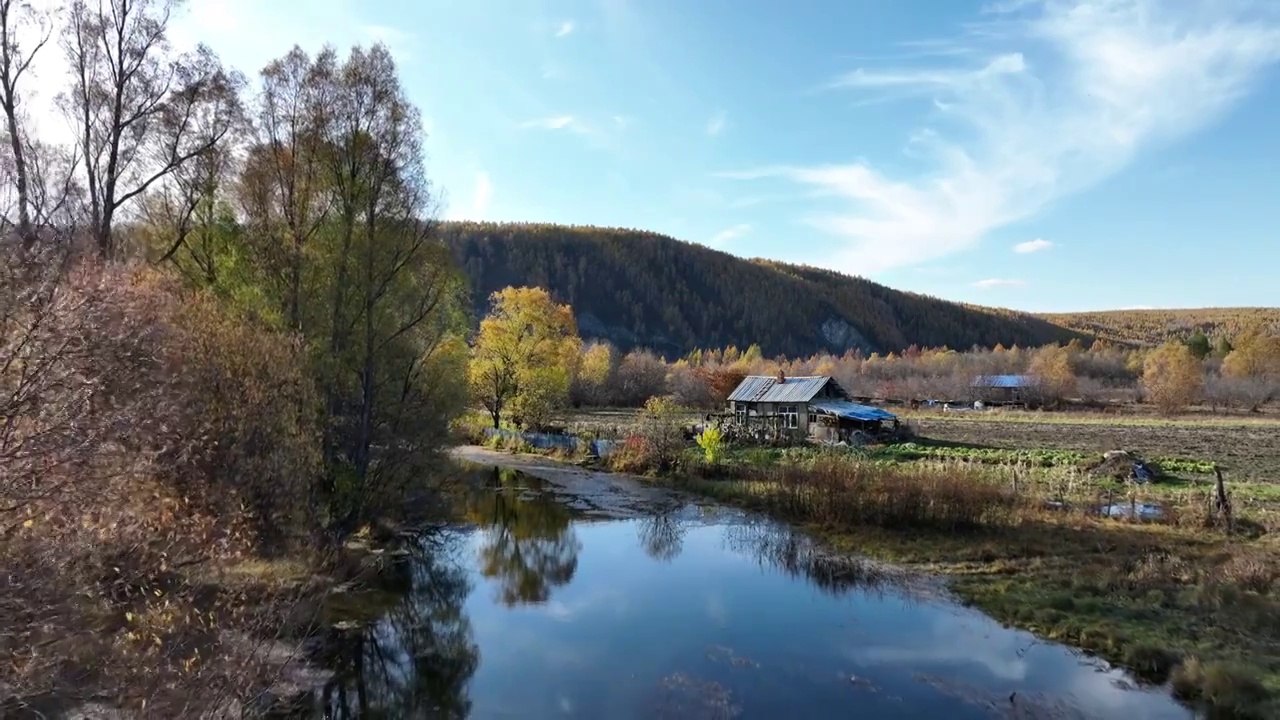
{"x":529,"y":545}
{"x":798,"y":556}
{"x":662,"y":535}
{"x":418,"y":658}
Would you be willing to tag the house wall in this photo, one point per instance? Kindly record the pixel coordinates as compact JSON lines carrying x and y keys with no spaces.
{"x":802,"y":411}
{"x":998,"y":394}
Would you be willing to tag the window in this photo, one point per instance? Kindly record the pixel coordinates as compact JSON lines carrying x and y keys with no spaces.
{"x":790,"y":417}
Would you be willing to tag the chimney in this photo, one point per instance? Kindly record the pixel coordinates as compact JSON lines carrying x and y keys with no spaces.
{"x":782,"y":377}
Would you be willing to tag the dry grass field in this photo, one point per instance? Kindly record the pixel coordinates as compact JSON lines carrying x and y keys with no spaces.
{"x":1249,"y":451}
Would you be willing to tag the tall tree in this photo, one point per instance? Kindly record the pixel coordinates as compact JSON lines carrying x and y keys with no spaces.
{"x":524,"y":354}
{"x":1173,"y":376}
{"x":1051,"y":367}
{"x":289,"y":171}
{"x":140,"y":109}
{"x":19,"y":21}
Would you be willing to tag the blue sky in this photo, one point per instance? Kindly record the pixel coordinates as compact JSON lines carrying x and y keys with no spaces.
{"x":1128,"y":148}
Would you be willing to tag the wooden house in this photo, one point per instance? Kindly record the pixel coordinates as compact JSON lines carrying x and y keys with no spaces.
{"x":814,"y":407}
{"x":1003,"y":389}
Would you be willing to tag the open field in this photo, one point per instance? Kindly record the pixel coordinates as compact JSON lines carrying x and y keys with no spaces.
{"x":1247,"y":447}
{"x":1249,"y":452}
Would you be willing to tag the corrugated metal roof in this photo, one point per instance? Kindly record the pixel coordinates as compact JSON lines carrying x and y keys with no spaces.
{"x":1004,"y":381}
{"x":852,"y":410}
{"x":763,"y":388}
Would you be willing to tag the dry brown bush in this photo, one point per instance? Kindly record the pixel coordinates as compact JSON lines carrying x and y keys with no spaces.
{"x":843,"y":490}
{"x":143,"y":437}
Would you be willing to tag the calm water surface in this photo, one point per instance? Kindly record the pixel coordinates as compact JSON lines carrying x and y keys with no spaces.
{"x":551,"y":603}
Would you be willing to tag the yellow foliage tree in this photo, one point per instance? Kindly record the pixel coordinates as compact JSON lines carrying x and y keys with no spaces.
{"x":596,"y":368}
{"x":1256,"y":355}
{"x":1051,"y":367}
{"x":1172,"y":375}
{"x":524,"y":356}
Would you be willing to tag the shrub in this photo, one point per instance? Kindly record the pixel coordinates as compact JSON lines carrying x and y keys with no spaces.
{"x":1249,"y":571}
{"x":1231,"y":690}
{"x":150,"y":435}
{"x":712,"y":445}
{"x":847,"y":490}
{"x":660,"y":427}
{"x":1150,"y":662}
{"x":636,"y":454}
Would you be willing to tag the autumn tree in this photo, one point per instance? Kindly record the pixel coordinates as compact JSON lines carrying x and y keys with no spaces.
{"x":344,"y":252}
{"x":1051,"y":367}
{"x":641,"y":375}
{"x":1256,"y":354}
{"x":1172,"y":376}
{"x":596,"y":370}
{"x":722,"y":381}
{"x":290,"y":172}
{"x":522,"y":359}
{"x":1252,"y":368}
{"x":140,"y":110}
{"x":659,"y":424}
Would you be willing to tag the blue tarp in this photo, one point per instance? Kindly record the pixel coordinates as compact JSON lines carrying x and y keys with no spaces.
{"x":852,"y":410}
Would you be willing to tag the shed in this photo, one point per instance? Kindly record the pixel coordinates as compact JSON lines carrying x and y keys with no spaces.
{"x":1003,"y":389}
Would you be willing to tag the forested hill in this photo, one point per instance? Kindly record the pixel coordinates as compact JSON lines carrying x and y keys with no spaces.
{"x":1152,"y":327}
{"x":642,"y":289}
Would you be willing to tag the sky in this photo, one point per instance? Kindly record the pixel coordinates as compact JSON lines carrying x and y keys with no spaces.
{"x":1044,"y":155}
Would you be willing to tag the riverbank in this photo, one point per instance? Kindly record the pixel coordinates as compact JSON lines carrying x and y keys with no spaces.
{"x":1174,"y":601}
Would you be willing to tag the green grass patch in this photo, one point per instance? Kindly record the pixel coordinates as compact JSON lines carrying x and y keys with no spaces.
{"x":1036,"y":457}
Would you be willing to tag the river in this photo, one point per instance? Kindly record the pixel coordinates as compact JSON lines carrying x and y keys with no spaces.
{"x":572,"y":594}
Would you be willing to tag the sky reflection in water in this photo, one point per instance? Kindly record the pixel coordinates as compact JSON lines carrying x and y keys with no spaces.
{"x":538,"y":614}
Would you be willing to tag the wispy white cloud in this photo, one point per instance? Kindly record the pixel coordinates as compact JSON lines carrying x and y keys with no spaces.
{"x":1067,"y":95}
{"x":931,"y":79}
{"x":565,"y":28}
{"x":555,"y":122}
{"x":729,"y":234}
{"x":481,"y":195}
{"x":600,"y":132}
{"x":716,"y":124}
{"x":1031,"y":246}
{"x":999,"y":282}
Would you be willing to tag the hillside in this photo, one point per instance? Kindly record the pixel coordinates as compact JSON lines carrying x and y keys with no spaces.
{"x":1152,"y":327}
{"x":642,"y":289}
